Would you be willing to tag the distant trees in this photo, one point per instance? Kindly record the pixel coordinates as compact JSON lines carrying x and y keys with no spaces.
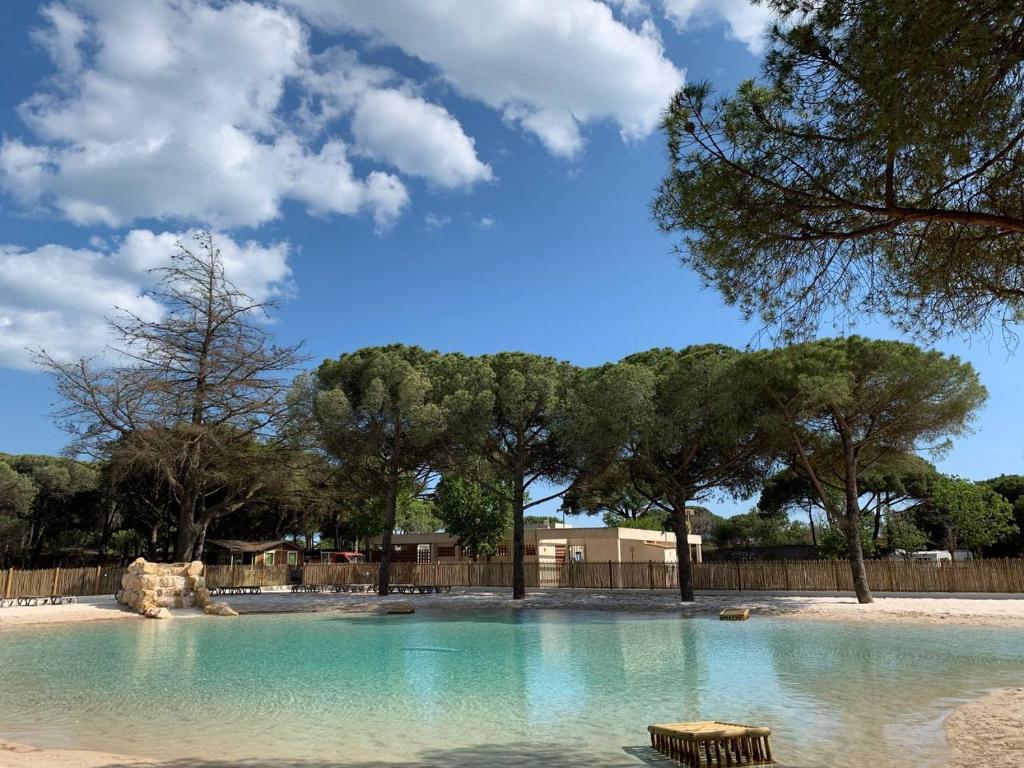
{"x":968,"y":515}
{"x":756,"y":529}
{"x":875,"y":166}
{"x":191,"y":395}
{"x":398,"y":438}
{"x":479,"y":517}
{"x":1011,"y":488}
{"x":844,"y":405}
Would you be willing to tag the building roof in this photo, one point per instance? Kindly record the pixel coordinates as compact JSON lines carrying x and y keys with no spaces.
{"x":236,"y":545}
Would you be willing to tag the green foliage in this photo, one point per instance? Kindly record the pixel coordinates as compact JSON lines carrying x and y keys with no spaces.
{"x":478,"y":517}
{"x":655,"y":520}
{"x":876,"y":165}
{"x":756,"y":529}
{"x":834,"y":543}
{"x":843,"y":406}
{"x":387,"y":415}
{"x":1011,"y":488}
{"x":683,"y":425}
{"x":518,"y":434}
{"x":902,"y":532}
{"x":17,"y":492}
{"x":969,"y":515}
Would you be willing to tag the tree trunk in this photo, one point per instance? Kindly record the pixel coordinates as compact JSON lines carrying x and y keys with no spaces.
{"x":852,"y":519}
{"x":200,"y":541}
{"x":518,"y":550}
{"x":681,"y":528}
{"x":878,"y":521}
{"x":810,"y":519}
{"x":185,"y":542}
{"x":390,"y":511}
{"x":152,"y":541}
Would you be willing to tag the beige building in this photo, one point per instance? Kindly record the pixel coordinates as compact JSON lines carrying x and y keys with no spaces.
{"x":554,"y":543}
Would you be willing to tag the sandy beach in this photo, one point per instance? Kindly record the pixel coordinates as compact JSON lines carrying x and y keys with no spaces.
{"x":984,"y":732}
{"x":916,"y":608}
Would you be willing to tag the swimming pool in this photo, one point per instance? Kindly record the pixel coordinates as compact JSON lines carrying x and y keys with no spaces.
{"x":507,"y":688}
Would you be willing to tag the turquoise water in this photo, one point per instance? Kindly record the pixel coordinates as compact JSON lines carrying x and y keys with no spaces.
{"x":527,"y":688}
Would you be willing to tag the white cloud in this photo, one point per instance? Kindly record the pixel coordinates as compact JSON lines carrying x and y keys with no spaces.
{"x":486,"y":223}
{"x":433,"y":221}
{"x":551,"y":68}
{"x":746,"y":22}
{"x":58,"y":298}
{"x":417,"y":137}
{"x":176,"y":110}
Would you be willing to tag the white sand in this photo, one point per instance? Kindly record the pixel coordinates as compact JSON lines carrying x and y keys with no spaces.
{"x":86,"y":609}
{"x":22,"y":756}
{"x":989,"y":731}
{"x":978,"y":610}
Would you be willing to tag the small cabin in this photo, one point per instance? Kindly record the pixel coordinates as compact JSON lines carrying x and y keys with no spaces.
{"x":236,"y":552}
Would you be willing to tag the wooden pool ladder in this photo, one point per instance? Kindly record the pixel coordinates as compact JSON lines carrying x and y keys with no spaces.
{"x":712,"y":743}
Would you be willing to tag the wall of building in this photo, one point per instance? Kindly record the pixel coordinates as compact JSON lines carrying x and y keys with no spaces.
{"x":548,"y":545}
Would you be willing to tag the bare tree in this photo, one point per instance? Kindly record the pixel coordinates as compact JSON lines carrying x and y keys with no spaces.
{"x":195,"y":396}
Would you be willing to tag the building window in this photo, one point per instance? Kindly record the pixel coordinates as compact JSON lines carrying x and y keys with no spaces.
{"x":446,"y":550}
{"x":576,"y":553}
{"x":423,"y":553}
{"x":293,"y":558}
{"x":503,"y":550}
{"x":268,"y":558}
{"x":530,"y":550}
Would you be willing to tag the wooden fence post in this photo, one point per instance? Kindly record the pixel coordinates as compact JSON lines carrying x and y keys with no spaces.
{"x":96,"y":581}
{"x":785,"y":574}
{"x":56,"y":577}
{"x":10,"y":583}
{"x":611,"y":581}
{"x":835,"y":570}
{"x":650,"y":573}
{"x":739,"y":577}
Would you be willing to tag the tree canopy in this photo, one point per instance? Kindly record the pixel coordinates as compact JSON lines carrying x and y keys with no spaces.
{"x":684,"y":425}
{"x":845,"y":405}
{"x":968,"y":515}
{"x":876,"y":165}
{"x":387,"y":415}
{"x":518,"y":438}
{"x":191,"y":392}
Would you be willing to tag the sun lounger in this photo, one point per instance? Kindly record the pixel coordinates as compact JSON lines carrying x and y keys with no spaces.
{"x":307,"y":588}
{"x":251,"y":590}
{"x":26,"y":600}
{"x":362,"y":587}
{"x":421,"y":589}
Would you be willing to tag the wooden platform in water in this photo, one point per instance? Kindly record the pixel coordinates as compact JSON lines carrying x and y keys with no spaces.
{"x":712,"y":743}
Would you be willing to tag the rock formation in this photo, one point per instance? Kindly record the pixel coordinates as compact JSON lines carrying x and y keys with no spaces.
{"x":153,"y":588}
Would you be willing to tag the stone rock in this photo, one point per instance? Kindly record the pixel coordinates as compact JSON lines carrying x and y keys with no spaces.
{"x":220,"y":609}
{"x":403,"y":606}
{"x":152,"y":588}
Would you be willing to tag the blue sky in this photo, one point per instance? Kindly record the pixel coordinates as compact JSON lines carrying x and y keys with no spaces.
{"x":421,"y":173}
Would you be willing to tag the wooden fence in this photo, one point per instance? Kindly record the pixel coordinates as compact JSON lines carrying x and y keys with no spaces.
{"x":798,"y":575}
{"x":100,"y":580}
{"x":246,"y":575}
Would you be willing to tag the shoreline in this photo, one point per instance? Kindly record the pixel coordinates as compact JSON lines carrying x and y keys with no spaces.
{"x":993,"y":610}
{"x":985,"y":731}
